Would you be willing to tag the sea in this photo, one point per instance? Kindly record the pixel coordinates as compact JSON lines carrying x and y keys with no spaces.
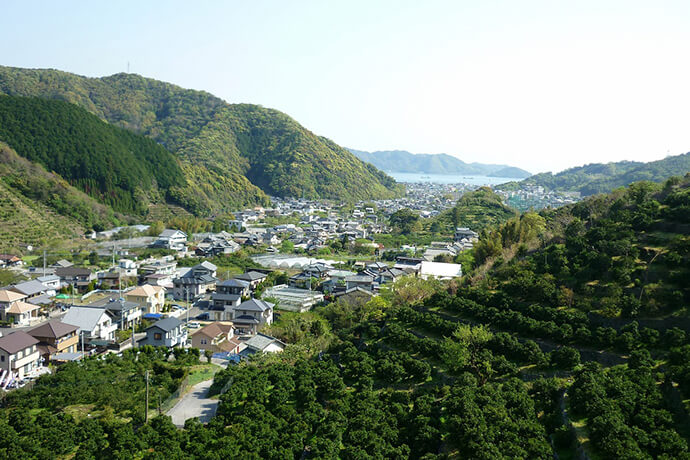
{"x":448,"y":178}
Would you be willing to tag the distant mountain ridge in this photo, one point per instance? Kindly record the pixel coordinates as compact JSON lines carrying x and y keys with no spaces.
{"x":434,"y":163}
{"x":602,"y":178}
{"x":231,"y":155}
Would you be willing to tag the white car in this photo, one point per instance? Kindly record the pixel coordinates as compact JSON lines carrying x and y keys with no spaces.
{"x":193,"y":325}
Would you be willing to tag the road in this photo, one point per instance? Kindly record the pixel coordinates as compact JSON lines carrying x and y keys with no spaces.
{"x":195,"y":404}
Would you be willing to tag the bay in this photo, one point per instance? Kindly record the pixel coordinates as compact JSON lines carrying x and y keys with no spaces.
{"x":448,"y":178}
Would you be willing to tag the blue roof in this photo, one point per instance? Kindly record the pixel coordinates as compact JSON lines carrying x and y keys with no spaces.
{"x":152,"y":316}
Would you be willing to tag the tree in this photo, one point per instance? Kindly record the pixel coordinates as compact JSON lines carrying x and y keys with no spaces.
{"x":405,"y":221}
{"x":208,"y":354}
{"x":565,"y":357}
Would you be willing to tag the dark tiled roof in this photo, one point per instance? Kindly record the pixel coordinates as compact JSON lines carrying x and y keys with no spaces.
{"x":167,"y":324}
{"x":53,"y":329}
{"x":16,"y":341}
{"x":251,"y":276}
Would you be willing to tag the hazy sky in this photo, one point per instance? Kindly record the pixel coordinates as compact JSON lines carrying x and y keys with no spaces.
{"x":539,"y":84}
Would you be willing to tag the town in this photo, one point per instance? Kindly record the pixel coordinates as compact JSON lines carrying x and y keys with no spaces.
{"x":133,"y":288}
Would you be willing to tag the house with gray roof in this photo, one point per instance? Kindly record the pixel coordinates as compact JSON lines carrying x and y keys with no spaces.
{"x":168,"y":332}
{"x":251,"y":314}
{"x":262,"y":343}
{"x":95,"y":323}
{"x":196,"y":281}
{"x":32,"y":288}
{"x":252,"y":277}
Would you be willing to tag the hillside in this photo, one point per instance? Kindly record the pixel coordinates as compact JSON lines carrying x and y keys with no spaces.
{"x":232,"y":155}
{"x":601,"y":178}
{"x":477,"y":210}
{"x":40,"y":207}
{"x":624,"y":254}
{"x":113,"y":165}
{"x":439,"y":163}
{"x":26,"y":218}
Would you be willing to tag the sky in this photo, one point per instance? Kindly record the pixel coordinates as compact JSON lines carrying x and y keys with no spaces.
{"x":542,"y":85}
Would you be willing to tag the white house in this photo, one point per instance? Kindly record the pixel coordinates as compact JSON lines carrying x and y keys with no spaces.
{"x":19,"y":354}
{"x":94,"y":323}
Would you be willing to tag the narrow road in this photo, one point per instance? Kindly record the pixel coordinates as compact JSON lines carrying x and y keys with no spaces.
{"x":195,"y":404}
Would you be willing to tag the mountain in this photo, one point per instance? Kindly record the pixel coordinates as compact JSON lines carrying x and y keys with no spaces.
{"x":600,"y":178}
{"x":438,"y":163}
{"x":117,"y":167}
{"x":231,"y":155}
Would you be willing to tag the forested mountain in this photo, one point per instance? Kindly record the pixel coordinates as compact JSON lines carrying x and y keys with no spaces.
{"x":438,"y":163}
{"x":601,"y":178}
{"x":231,"y":155}
{"x":117,"y":167}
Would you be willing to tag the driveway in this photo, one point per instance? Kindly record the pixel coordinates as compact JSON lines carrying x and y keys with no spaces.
{"x":195,"y":404}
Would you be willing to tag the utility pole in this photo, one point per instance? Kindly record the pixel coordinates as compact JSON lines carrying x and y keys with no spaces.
{"x":146,"y":409}
{"x":44,"y":262}
{"x":82,"y":345}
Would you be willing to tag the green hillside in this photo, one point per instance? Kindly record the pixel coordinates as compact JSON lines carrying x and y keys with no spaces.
{"x":477,"y":210}
{"x":29,"y":197}
{"x":601,"y":178}
{"x":624,"y":254}
{"x":231,"y":155}
{"x":40,"y":207}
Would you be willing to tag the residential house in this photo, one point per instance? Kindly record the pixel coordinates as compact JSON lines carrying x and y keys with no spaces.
{"x":171,"y":239}
{"x":52,"y":282}
{"x":168,"y":332}
{"x":162,"y":267}
{"x":464,"y":233}
{"x":150,"y":298}
{"x":127,"y":267}
{"x":218,"y":338}
{"x":196,"y":281}
{"x":363,"y":281}
{"x":251,"y":314}
{"x":21,"y":313}
{"x":233,"y":286}
{"x":76,"y":277}
{"x":125,"y":314}
{"x":10,"y":260}
{"x":262,"y":343}
{"x":7,"y":299}
{"x":159,"y":279}
{"x":94,"y":323}
{"x":228,"y":295}
{"x":32,"y":288}
{"x":55,"y":337}
{"x":254,"y":278}
{"x":19,"y":354}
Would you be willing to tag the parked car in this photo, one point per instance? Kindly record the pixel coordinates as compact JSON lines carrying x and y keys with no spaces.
{"x":193,"y":325}
{"x":203,"y":316}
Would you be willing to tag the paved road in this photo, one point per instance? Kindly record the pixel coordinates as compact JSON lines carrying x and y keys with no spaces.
{"x":195,"y":404}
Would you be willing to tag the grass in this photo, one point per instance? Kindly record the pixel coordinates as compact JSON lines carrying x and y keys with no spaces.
{"x":202,"y":372}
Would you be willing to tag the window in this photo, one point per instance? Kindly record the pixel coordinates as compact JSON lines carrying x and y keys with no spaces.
{"x":2,"y":358}
{"x":157,"y":336}
{"x":203,"y":342}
